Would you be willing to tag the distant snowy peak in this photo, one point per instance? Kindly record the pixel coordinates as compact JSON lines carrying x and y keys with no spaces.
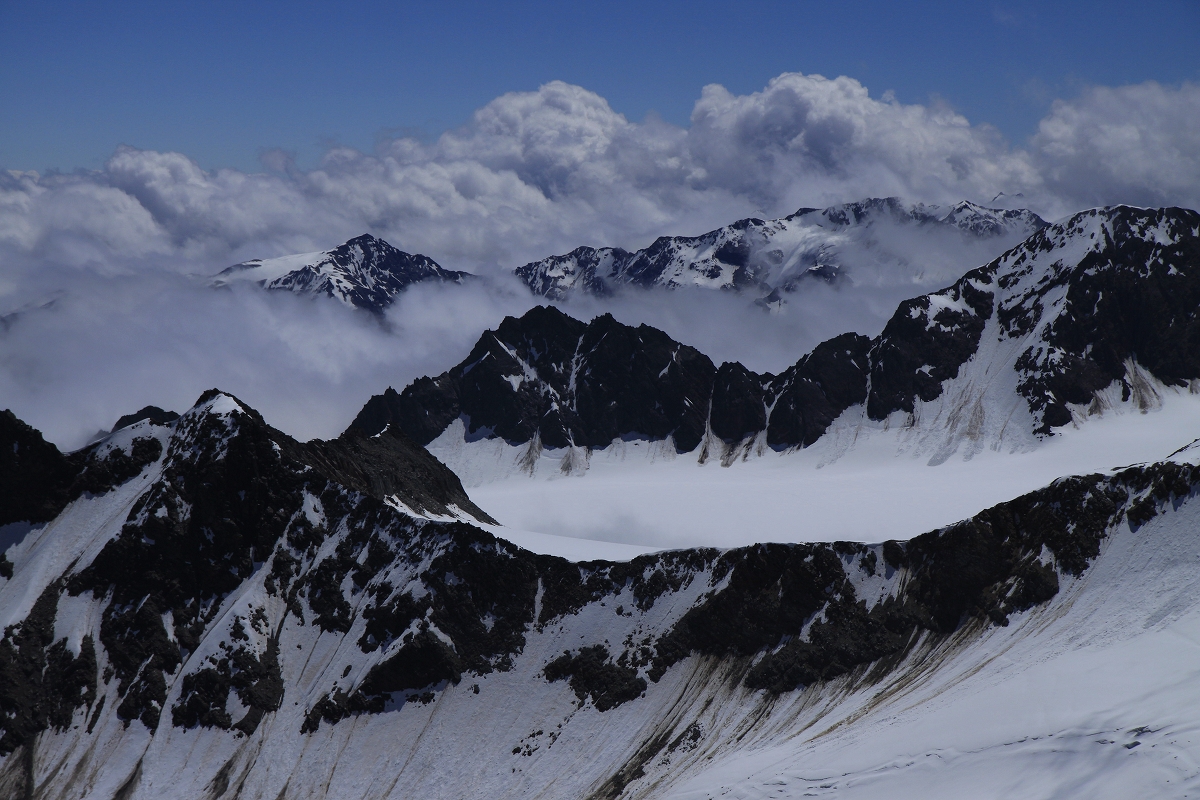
{"x":965,"y":215}
{"x":1091,"y":312}
{"x":982,"y":221}
{"x":773,"y":254}
{"x":365,"y":272}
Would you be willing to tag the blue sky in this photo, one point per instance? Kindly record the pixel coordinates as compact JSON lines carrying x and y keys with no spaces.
{"x":223,"y":81}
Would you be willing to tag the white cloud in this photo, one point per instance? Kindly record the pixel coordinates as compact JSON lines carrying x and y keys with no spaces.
{"x":803,"y":130}
{"x":1135,"y":144}
{"x":532,"y":174}
{"x":539,"y":172}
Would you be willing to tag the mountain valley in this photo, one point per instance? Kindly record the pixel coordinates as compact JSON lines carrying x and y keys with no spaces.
{"x":956,"y":558}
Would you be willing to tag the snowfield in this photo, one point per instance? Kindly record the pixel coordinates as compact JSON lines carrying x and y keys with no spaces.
{"x":1093,"y":695}
{"x":645,"y":497}
{"x":1096,"y":695}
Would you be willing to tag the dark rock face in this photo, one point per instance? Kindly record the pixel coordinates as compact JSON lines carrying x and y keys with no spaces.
{"x":41,"y":681}
{"x":365,"y":272}
{"x":1133,"y":298}
{"x":639,"y":380}
{"x":823,"y":384}
{"x":925,"y":342}
{"x":385,"y":465}
{"x":739,"y":402}
{"x":433,"y":602}
{"x":37,"y":481}
{"x":564,"y":382}
{"x":745,"y":255}
{"x":549,"y":376}
{"x":35,"y":478}
{"x":152,"y":413}
{"x":592,"y":674}
{"x":1111,"y":295}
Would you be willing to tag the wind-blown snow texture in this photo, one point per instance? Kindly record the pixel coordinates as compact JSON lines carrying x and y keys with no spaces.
{"x":237,"y":618}
{"x":778,"y":255}
{"x":365,"y":272}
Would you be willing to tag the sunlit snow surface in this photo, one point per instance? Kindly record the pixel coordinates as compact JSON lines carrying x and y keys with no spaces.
{"x":643,"y":496}
{"x":1095,"y":695}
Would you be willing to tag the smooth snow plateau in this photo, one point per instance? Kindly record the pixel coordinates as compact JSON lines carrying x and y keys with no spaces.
{"x":636,"y":497}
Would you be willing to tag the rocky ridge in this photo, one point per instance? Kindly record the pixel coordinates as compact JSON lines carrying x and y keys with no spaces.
{"x":244,"y":583}
{"x":768,"y":256}
{"x":1093,"y":311}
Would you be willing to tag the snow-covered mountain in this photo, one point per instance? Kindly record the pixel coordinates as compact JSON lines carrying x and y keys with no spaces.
{"x":865,"y":241}
{"x":198,"y":605}
{"x":208,"y":608}
{"x":1090,"y":313}
{"x":365,"y":272}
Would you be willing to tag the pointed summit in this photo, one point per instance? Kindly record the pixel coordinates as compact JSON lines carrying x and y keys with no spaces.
{"x":366,"y":272}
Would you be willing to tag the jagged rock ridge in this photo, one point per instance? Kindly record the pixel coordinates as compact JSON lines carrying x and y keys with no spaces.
{"x":767,"y":256}
{"x":243,"y":586}
{"x":1106,"y":298}
{"x":365,"y":272}
{"x":567,"y":383}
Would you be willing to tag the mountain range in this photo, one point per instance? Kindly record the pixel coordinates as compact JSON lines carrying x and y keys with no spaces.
{"x":778,"y":255}
{"x":198,"y":605}
{"x":1085,"y":313}
{"x":878,"y":239}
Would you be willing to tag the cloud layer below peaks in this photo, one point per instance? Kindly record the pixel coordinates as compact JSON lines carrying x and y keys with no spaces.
{"x":535,"y":173}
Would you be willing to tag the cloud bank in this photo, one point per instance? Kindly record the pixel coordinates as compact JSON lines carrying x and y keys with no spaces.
{"x":531,"y":174}
{"x":535,"y":173}
{"x":116,"y":343}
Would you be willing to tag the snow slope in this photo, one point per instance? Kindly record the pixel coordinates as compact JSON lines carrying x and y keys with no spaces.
{"x":1095,"y":695}
{"x":1044,"y":649}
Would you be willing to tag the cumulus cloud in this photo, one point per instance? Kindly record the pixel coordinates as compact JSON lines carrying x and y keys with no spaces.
{"x":1136,"y":144}
{"x":535,"y":173}
{"x":805,"y":132}
{"x":531,"y":174}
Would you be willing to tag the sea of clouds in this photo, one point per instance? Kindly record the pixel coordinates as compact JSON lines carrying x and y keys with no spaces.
{"x":105,"y":307}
